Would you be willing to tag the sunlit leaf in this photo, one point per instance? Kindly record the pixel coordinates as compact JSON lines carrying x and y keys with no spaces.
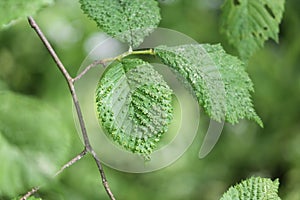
{"x":254,"y":188}
{"x":134,"y":105}
{"x":218,"y":80}
{"x":34,"y":143}
{"x":249,"y":23}
{"x":127,"y":20}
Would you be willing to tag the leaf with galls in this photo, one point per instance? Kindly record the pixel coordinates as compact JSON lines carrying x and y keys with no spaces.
{"x":134,"y":105}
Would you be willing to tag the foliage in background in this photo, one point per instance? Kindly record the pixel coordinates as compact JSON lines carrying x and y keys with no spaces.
{"x":248,"y":24}
{"x":14,"y":10}
{"x":34,"y":142}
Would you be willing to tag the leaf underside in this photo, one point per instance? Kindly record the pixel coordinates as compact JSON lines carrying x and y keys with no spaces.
{"x":13,"y":10}
{"x":249,"y":23}
{"x":127,"y":20}
{"x":254,"y":188}
{"x":134,"y":105}
{"x":218,"y":80}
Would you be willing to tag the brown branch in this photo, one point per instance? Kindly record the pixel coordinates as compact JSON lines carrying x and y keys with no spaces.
{"x":69,"y":164}
{"x":30,"y":193}
{"x":119,"y":57}
{"x":70,"y":82}
{"x":90,"y":66}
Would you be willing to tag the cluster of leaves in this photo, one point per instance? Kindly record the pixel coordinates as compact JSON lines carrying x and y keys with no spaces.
{"x":136,"y":111}
{"x":218,"y":80}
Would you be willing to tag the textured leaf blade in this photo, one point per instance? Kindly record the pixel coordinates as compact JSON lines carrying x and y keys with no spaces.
{"x":34,"y":143}
{"x":13,"y":10}
{"x":218,"y":80}
{"x":134,"y":105}
{"x":127,"y":20}
{"x":248,"y":24}
{"x":254,"y":188}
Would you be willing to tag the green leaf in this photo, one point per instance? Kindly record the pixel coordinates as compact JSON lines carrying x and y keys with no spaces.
{"x":249,"y":23}
{"x":218,"y":80}
{"x":255,"y":188}
{"x":134,"y":105}
{"x":127,"y":20}
{"x":13,"y":10}
{"x":34,"y":143}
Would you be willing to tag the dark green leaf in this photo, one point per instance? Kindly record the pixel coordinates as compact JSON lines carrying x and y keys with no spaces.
{"x":218,"y":80}
{"x":249,"y":23}
{"x":255,"y":188}
{"x":134,"y":105}
{"x":127,"y":20}
{"x":34,"y":143}
{"x":12,"y":10}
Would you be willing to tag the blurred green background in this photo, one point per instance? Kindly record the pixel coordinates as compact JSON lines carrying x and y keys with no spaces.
{"x":243,"y":150}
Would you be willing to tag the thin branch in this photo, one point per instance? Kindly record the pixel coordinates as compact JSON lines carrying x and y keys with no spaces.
{"x":119,"y":57}
{"x":30,"y":193}
{"x":59,"y":64}
{"x":66,"y":75}
{"x":70,"y":82}
{"x":90,"y":66}
{"x":103,"y":177}
{"x":71,"y":162}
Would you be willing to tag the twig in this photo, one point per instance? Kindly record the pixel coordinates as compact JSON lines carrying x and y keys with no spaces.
{"x":71,"y":162}
{"x":103,"y":177}
{"x":70,"y":82}
{"x":30,"y":193}
{"x":90,"y":66}
{"x":119,"y":57}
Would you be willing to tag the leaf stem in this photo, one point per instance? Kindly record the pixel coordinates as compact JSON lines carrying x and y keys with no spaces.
{"x":104,"y":62}
{"x":70,"y":82}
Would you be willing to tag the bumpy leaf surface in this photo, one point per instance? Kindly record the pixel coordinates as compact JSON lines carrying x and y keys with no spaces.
{"x":12,"y":10}
{"x":255,"y":188}
{"x":134,"y":105}
{"x":218,"y":80}
{"x":34,"y":143}
{"x":249,"y":23}
{"x":127,"y":20}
